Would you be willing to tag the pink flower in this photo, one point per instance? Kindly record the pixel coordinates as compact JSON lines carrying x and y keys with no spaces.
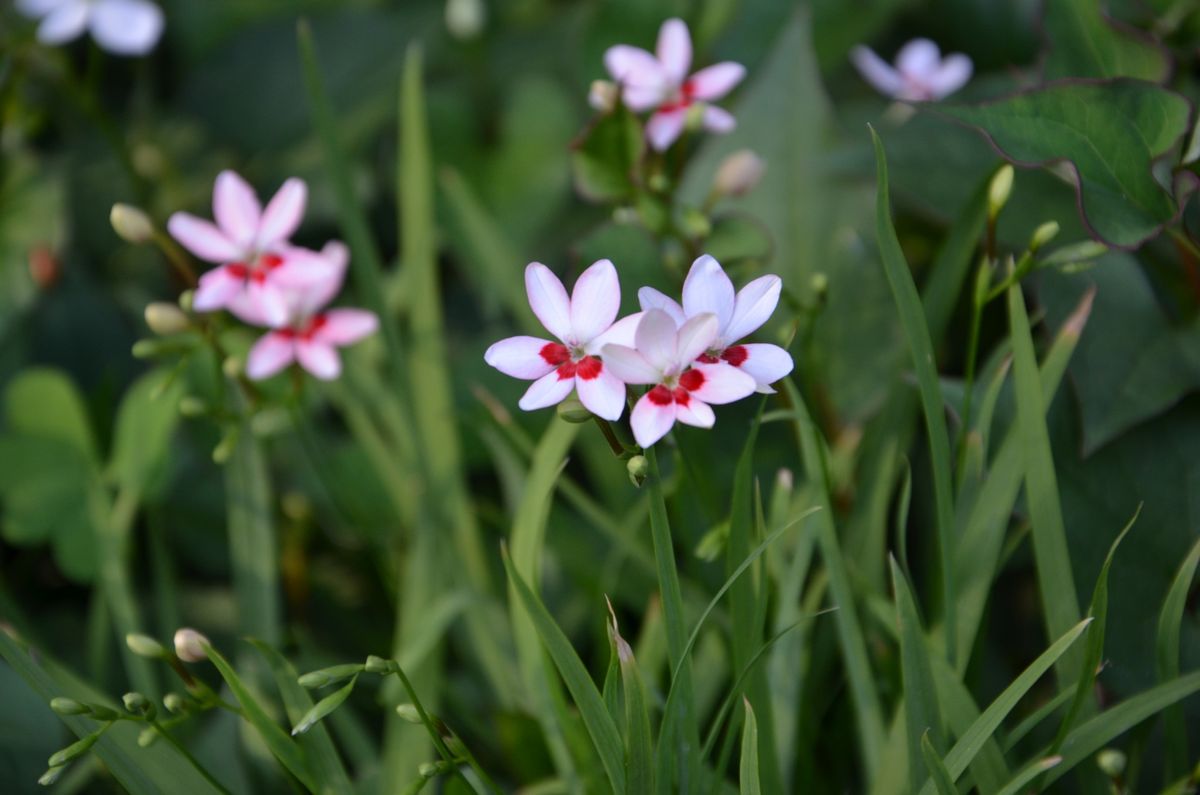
{"x":920,"y":73}
{"x":708,"y":290}
{"x":667,"y":357}
{"x":660,"y":82}
{"x":257,"y":264}
{"x":311,"y":336}
{"x":124,"y":27}
{"x":583,"y":325}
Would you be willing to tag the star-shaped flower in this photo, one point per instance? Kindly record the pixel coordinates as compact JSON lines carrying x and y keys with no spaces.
{"x":921,"y":74}
{"x":124,"y":27}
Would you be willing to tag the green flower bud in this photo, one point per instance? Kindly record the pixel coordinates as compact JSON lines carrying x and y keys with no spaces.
{"x":147,"y":737}
{"x":174,"y":703}
{"x":231,"y":367}
{"x":131,"y":224}
{"x":819,"y":284}
{"x":429,"y":769}
{"x":1111,"y":762}
{"x":145,"y":646}
{"x":465,"y":18}
{"x":146,"y":349}
{"x":1043,"y":235}
{"x":51,"y":776}
{"x":192,"y":407}
{"x":696,"y":223}
{"x":408,"y":713}
{"x":571,"y":410}
{"x":72,"y":751}
{"x":999,"y":190}
{"x":638,"y":468}
{"x":326,"y":676}
{"x":166,"y":319}
{"x":224,"y":449}
{"x":69,"y":706}
{"x":712,"y":543}
{"x":379,"y":665}
{"x":137,"y":704}
{"x":186,"y":299}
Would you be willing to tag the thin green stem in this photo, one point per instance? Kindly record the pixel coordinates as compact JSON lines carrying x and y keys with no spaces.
{"x":610,"y":436}
{"x":166,"y":735}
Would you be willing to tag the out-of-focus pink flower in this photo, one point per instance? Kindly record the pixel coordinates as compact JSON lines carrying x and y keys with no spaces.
{"x":921,"y":74}
{"x":666,"y":357}
{"x":313,"y":334}
{"x":582,"y":325}
{"x":123,"y":27}
{"x":660,"y":82}
{"x":257,"y":265}
{"x":707,"y":289}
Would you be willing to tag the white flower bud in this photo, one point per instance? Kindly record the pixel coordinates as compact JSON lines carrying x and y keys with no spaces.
{"x":1043,"y":235}
{"x":999,"y":190}
{"x":465,"y":18}
{"x":131,"y":224}
{"x":738,"y":174}
{"x":189,"y":645}
{"x":602,"y":95}
{"x":165,"y":319}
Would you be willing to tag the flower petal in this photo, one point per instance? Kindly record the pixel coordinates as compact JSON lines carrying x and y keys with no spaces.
{"x":664,"y":127}
{"x":876,"y":71}
{"x":708,"y":289}
{"x":620,"y":333}
{"x":650,"y":421}
{"x":632,"y":65}
{"x":548,"y":299}
{"x":519,"y":357}
{"x":629,"y":366}
{"x":674,"y":49}
{"x":283,"y":214}
{"x":595,"y":301}
{"x":655,"y":340}
{"x":765,"y":363}
{"x":918,"y":59}
{"x":603,"y":395}
{"x":695,"y":412}
{"x":63,"y":23}
{"x":310,"y":279}
{"x":546,"y":391}
{"x":718,"y":120}
{"x":319,"y":359}
{"x":202,"y":238}
{"x":215,"y":289}
{"x":270,"y":354}
{"x":641,"y":98}
{"x":346,"y":326}
{"x":649,"y":298}
{"x":723,"y":383}
{"x":752,"y":307}
{"x":696,"y":336}
{"x":39,"y":8}
{"x":126,"y":27}
{"x":714,"y":82}
{"x":260,"y":304}
{"x":951,"y":75}
{"x":236,"y":209}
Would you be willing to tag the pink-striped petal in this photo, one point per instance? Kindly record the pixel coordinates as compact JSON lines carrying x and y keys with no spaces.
{"x":718,"y":120}
{"x":272,"y":353}
{"x":951,"y":75}
{"x":283,"y":214}
{"x":236,"y":209}
{"x":519,"y":357}
{"x":708,"y":289}
{"x":655,"y":340}
{"x":548,"y":299}
{"x":595,"y":301}
{"x":319,"y":359}
{"x":752,"y":307}
{"x":203,"y":238}
{"x":696,"y":413}
{"x":696,"y":336}
{"x":346,"y":326}
{"x":876,"y":71}
{"x":629,"y":366}
{"x":548,"y":390}
{"x":723,"y":383}
{"x":665,"y":127}
{"x":651,"y":421}
{"x":603,"y":395}
{"x":649,"y":298}
{"x":216,"y":289}
{"x":126,"y":27}
{"x":766,"y":364}
{"x":620,"y":333}
{"x":674,"y":49}
{"x":63,"y":23}
{"x":918,"y":59}
{"x":714,"y":82}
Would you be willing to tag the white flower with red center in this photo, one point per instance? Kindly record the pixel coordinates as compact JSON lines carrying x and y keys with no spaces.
{"x":666,"y":357}
{"x":707,"y":289}
{"x":921,"y":74}
{"x":257,"y":265}
{"x":660,"y":82}
{"x":313,"y":334}
{"x":124,"y":27}
{"x":582,"y":325}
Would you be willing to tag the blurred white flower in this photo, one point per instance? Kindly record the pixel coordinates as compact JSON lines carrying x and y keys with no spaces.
{"x":465,"y":18}
{"x":189,"y":645}
{"x":123,"y":27}
{"x":921,"y":74}
{"x":738,"y":174}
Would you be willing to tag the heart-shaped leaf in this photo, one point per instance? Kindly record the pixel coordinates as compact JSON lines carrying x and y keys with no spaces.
{"x":1084,"y":43}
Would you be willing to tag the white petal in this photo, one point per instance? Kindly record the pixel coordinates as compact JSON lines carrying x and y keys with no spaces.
{"x":765,"y":363}
{"x":319,"y":359}
{"x":546,"y":391}
{"x":346,"y":326}
{"x":63,"y":23}
{"x":236,"y":208}
{"x":620,"y":333}
{"x":674,"y":49}
{"x":723,"y":383}
{"x":260,"y":304}
{"x":202,"y":238}
{"x":649,"y":298}
{"x":548,"y":299}
{"x":752,"y":307}
{"x":519,"y":357}
{"x":310,"y":279}
{"x":126,"y":27}
{"x":876,"y":71}
{"x":595,"y":301}
{"x":918,"y":59}
{"x":695,"y":412}
{"x":270,"y":354}
{"x":664,"y":127}
{"x":603,"y":395}
{"x":39,"y":8}
{"x":641,"y":98}
{"x":651,"y":421}
{"x":950,"y":76}
{"x":696,"y":336}
{"x":283,"y":214}
{"x":714,"y":82}
{"x":629,"y":366}
{"x":215,"y":289}
{"x":632,"y":65}
{"x":708,"y":289}
{"x":655,"y":340}
{"x":718,"y":120}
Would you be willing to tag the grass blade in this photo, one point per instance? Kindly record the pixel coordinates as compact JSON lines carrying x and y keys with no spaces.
{"x":748,"y":776}
{"x":1170,"y":621}
{"x":1021,"y":780}
{"x":937,"y":768}
{"x":916,"y":332}
{"x":639,"y":745}
{"x":923,"y":717}
{"x":323,"y":707}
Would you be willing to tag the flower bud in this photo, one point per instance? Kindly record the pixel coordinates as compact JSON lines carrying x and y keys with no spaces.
{"x":738,"y":174}
{"x":146,"y":349}
{"x":325,"y":676}
{"x":696,"y":223}
{"x":409,"y":713}
{"x":51,"y":776}
{"x":189,"y":645}
{"x":224,"y":449}
{"x":69,"y":706}
{"x":819,"y":284}
{"x":465,"y":18}
{"x":1111,"y":762}
{"x":638,"y":468}
{"x":186,"y":299}
{"x":138,"y":704}
{"x":72,"y":751}
{"x":192,"y":407}
{"x":165,"y":319}
{"x":602,"y":95}
{"x":231,"y":367}
{"x":999,"y":190}
{"x":571,"y":410}
{"x":130,"y":223}
{"x":174,"y":703}
{"x":378,"y":665}
{"x":712,"y":544}
{"x":147,"y":737}
{"x":1043,"y":235}
{"x":144,"y":645}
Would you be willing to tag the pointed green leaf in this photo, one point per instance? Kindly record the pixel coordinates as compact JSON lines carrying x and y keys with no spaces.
{"x":749,"y":777}
{"x":922,"y":714}
{"x":1170,"y":623}
{"x":937,"y":768}
{"x":323,"y":707}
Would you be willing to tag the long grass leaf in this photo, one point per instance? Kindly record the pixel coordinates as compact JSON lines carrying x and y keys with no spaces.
{"x":639,"y":744}
{"x":749,"y":772}
{"x":936,"y":767}
{"x":1170,"y":622}
{"x":922,"y":714}
{"x":1020,"y":781}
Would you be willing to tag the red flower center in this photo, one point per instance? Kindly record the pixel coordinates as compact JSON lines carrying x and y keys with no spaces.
{"x":305,"y":332}
{"x":257,"y":272}
{"x":554,"y":353}
{"x":558,"y":356}
{"x":682,"y":394}
{"x":687,"y":95}
{"x":692,"y":380}
{"x":735,"y":355}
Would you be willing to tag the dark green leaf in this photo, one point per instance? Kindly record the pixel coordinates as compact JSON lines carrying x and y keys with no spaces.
{"x":1084,"y":43}
{"x":604,"y":161}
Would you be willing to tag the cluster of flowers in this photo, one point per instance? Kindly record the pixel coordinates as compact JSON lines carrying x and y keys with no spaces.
{"x":266,"y":281}
{"x":688,"y":353}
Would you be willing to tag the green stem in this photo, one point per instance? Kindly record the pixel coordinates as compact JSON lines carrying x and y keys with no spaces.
{"x":610,"y":436}
{"x":162,"y":730}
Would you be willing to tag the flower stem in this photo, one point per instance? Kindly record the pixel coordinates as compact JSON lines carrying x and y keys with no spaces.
{"x":188,"y":756}
{"x":610,"y":436}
